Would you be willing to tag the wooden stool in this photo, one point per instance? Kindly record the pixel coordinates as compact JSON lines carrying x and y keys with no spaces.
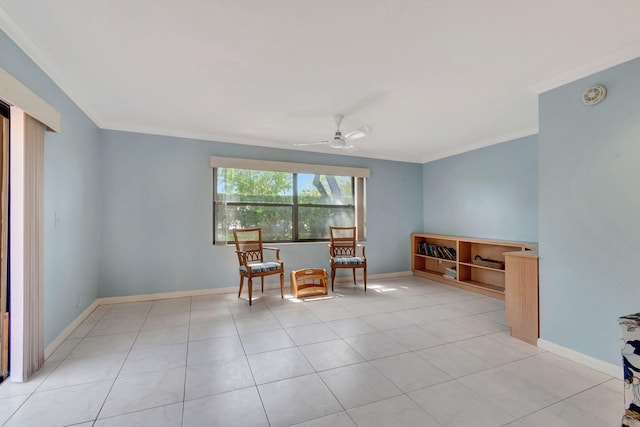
{"x":309,"y":282}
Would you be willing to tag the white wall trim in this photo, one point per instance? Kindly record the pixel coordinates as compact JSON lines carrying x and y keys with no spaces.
{"x":611,"y":60}
{"x":48,"y":351}
{"x":18,"y":95}
{"x":16,"y":243}
{"x":267,"y":165}
{"x":390,"y":275}
{"x":584,"y":359}
{"x":167,"y":295}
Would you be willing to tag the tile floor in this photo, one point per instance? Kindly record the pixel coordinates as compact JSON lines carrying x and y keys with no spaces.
{"x":409,"y":352}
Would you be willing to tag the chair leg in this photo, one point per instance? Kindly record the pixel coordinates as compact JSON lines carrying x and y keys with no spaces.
{"x":262,"y":283}
{"x":250,"y":286}
{"x":365,"y":278}
{"x":354,"y":276}
{"x":241,"y":283}
{"x":333,"y":276}
{"x":281,"y":285}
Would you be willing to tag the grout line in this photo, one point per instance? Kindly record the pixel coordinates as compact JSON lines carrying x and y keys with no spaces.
{"x":186,"y":362}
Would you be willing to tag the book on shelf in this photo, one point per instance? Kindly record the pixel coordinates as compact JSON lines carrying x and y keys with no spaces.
{"x":436,"y":251}
{"x":453,"y":253}
{"x":445,"y":252}
{"x":432,"y":250}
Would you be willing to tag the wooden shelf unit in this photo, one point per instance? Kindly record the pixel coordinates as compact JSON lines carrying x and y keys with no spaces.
{"x":485,"y":280}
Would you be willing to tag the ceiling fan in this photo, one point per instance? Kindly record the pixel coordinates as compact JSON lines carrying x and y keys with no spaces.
{"x":339,"y":140}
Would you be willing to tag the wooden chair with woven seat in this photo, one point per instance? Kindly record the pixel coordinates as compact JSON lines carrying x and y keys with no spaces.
{"x":342,"y":252}
{"x":251,"y":258}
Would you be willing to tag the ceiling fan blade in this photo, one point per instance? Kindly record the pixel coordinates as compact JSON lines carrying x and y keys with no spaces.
{"x":358,"y":133}
{"x":304,"y":144}
{"x":344,"y":146}
{"x":339,"y":140}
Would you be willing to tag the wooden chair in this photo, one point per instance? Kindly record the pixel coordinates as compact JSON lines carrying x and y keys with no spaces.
{"x":251,"y":259}
{"x":342,"y":252}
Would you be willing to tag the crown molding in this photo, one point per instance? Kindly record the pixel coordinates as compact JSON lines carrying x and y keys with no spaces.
{"x":17,"y":33}
{"x":616,"y":58}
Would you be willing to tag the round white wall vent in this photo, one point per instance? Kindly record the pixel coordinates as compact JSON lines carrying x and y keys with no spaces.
{"x":594,"y":95}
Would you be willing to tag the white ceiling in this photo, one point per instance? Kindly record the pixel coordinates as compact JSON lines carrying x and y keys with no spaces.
{"x":433,"y":78}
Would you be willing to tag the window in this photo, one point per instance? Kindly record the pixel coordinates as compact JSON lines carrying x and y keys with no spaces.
{"x":323,"y":200}
{"x":289,"y":205}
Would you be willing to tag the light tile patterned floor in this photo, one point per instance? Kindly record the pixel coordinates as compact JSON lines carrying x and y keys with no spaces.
{"x":409,"y":352}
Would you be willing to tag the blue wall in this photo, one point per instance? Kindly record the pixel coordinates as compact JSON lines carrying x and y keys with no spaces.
{"x":157,"y":214}
{"x":71,"y":189}
{"x":590,"y":212}
{"x":488,"y":193}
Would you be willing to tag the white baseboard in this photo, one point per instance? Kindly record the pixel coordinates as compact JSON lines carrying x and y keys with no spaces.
{"x":69,"y":329}
{"x":391,"y":275}
{"x":342,"y":278}
{"x":182,"y":294}
{"x":166,"y":295}
{"x":584,"y":359}
{"x":349,"y":277}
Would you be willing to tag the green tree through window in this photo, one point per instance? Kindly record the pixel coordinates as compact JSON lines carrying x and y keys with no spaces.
{"x":287,"y":206}
{"x":323,"y":200}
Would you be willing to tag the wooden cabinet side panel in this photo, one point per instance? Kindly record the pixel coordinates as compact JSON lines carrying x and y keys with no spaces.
{"x":521,"y":297}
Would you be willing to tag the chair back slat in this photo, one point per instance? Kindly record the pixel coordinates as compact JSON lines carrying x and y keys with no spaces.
{"x":343,"y":241}
{"x":249,"y":240}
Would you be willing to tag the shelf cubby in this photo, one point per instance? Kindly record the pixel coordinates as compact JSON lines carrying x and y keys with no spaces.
{"x":485,"y":280}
